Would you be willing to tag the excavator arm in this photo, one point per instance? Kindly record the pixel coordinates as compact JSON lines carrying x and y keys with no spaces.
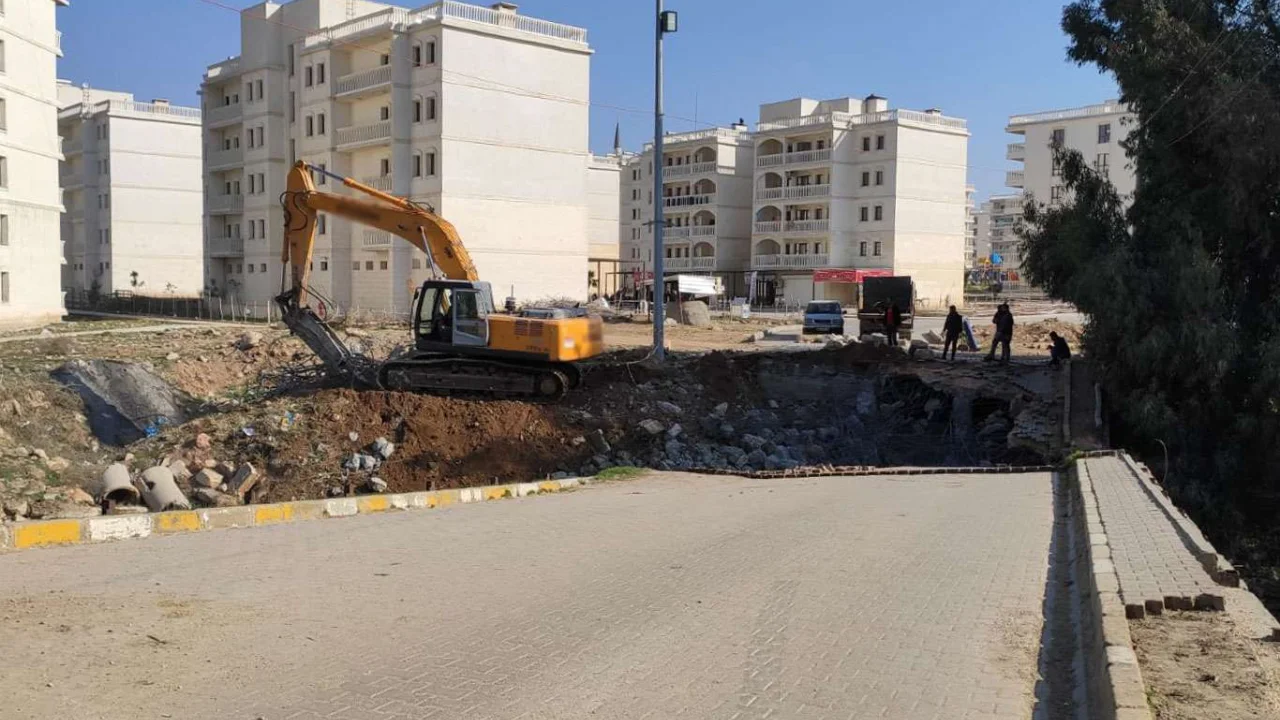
{"x":302,"y":203}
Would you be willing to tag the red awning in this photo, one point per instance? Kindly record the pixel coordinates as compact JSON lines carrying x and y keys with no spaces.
{"x":848,"y":276}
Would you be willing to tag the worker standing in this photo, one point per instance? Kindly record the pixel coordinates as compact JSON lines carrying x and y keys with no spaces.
{"x":951,"y":329}
{"x":1003,"y":321}
{"x":892,"y":319}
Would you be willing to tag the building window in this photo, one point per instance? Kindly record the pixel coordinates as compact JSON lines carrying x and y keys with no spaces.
{"x":252,"y":179}
{"x":1057,"y":168}
{"x":417,"y":55}
{"x":879,"y":214}
{"x":252,"y":227}
{"x":262,"y":182}
{"x":876,"y":248}
{"x":289,"y":51}
{"x":862,"y":213}
{"x":324,"y":265}
{"x":879,"y":177}
{"x":417,"y":264}
{"x":355,"y":266}
{"x":879,"y":142}
{"x":308,"y":75}
{"x":866,"y":144}
{"x":431,"y":164}
{"x":1055,"y":193}
{"x":417,"y":109}
{"x":431,"y":108}
{"x":1102,"y":164}
{"x":322,"y":223}
{"x":384,"y":112}
{"x":1104,"y":133}
{"x":248,"y":91}
{"x":385,"y":59}
{"x":866,"y":179}
{"x":431,"y":53}
{"x":311,"y":126}
{"x":320,"y":124}
{"x":862,"y":248}
{"x":4,"y":229}
{"x":261,"y":133}
{"x":258,"y":87}
{"x":4,"y":172}
{"x":262,"y":230}
{"x":4,"y":288}
{"x":382,"y":265}
{"x":293,"y":107}
{"x":319,"y":73}
{"x":323,"y":178}
{"x":368,"y":264}
{"x":384,"y":166}
{"x":4,"y":116}
{"x":250,"y":268}
{"x":1058,"y":137}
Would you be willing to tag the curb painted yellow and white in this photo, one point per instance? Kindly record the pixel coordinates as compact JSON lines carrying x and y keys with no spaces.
{"x":47,"y":533}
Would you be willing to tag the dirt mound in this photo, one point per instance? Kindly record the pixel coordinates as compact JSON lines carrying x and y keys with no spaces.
{"x":859,"y":353}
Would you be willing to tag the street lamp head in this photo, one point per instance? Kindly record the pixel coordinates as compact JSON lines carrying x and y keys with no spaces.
{"x":668,"y":21}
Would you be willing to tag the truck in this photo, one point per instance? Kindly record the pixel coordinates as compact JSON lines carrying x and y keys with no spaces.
{"x":878,"y":294}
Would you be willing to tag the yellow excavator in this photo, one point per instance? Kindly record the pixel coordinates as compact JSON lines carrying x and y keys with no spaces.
{"x":462,"y":344}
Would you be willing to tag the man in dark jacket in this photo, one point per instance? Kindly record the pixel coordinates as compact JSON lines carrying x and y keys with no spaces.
{"x":1003,"y":320}
{"x":892,"y":319}
{"x":951,"y":329}
{"x":1060,"y":350}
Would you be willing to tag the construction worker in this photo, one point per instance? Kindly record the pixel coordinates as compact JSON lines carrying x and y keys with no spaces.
{"x":1060,"y":350}
{"x":951,"y":329}
{"x":1003,"y":320}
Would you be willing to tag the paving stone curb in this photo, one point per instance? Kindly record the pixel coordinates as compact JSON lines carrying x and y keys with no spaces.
{"x":1217,"y":566}
{"x":52,"y":533}
{"x":1113,"y":681}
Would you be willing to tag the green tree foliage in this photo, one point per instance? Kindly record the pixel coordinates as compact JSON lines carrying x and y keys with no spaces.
{"x":1182,"y":283}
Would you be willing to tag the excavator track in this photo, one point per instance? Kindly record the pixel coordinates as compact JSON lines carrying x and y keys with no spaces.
{"x":447,"y":375}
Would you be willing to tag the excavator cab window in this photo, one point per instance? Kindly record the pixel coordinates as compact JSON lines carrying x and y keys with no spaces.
{"x":453,"y":315}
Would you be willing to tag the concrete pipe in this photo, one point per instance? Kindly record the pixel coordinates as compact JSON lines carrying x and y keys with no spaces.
{"x":160,"y":490}
{"x":116,"y":487}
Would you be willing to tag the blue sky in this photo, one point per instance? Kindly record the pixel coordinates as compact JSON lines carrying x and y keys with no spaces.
{"x":982,"y":60}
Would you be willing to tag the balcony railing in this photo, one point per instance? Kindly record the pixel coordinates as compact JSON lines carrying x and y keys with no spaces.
{"x":770,"y":193}
{"x":510,"y":20}
{"x":226,"y":204}
{"x":847,"y":120}
{"x":1016,"y":151}
{"x":703,"y":231}
{"x":807,"y":226}
{"x":359,"y":134}
{"x":364,"y":80}
{"x":769,"y":226}
{"x":807,"y":191}
{"x":223,"y":114}
{"x":225,"y":158}
{"x":809,"y":156}
{"x":690,"y":263}
{"x":689,"y":200}
{"x":380,"y":182}
{"x":676,"y":233}
{"x":376,"y":240}
{"x":1015,"y":178}
{"x":1106,"y":108}
{"x":770,"y":160}
{"x":226,"y":247}
{"x":671,"y":171}
{"x":382,"y":19}
{"x":790,"y":261}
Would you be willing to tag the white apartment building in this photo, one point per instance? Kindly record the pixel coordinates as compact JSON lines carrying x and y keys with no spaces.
{"x":131,"y":183}
{"x":604,"y":177}
{"x":30,"y":201}
{"x":997,"y":242}
{"x":706,"y":203}
{"x":1096,"y":131}
{"x":970,"y":225}
{"x":480,"y":113}
{"x":846,"y":188}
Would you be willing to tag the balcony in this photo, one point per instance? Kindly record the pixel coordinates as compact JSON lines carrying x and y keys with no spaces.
{"x":703,"y":231}
{"x":689,"y":263}
{"x":224,"y":159}
{"x":675,"y":171}
{"x":72,"y":147}
{"x":226,"y":204}
{"x":224,"y":247}
{"x":362,"y":81}
{"x":357,"y":135}
{"x":379,"y":182}
{"x":763,"y":161}
{"x":1015,"y":178}
{"x":688,"y":200}
{"x":223,"y":115}
{"x":1016,"y":151}
{"x":676,"y":233}
{"x":797,"y":192}
{"x":800,"y":227}
{"x":376,"y":240}
{"x":785,"y":262}
{"x":772,"y":226}
{"x":769,"y":193}
{"x":809,"y":156}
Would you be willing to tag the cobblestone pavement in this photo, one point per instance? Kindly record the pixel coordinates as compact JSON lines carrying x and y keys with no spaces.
{"x":1150,"y":558}
{"x":668,"y":597}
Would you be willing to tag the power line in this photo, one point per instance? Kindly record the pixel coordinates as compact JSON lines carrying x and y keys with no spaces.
{"x":1221,"y":106}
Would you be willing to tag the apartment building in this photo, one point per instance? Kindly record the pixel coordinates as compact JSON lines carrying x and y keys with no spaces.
{"x":1096,"y":131}
{"x":30,"y":201}
{"x":131,"y":182}
{"x":706,"y":202}
{"x":970,"y":225}
{"x":999,"y":244}
{"x":604,"y":177}
{"x":479,"y":113}
{"x":848,"y":188}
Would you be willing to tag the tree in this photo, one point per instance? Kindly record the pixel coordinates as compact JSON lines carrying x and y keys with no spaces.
{"x":1182,"y":284}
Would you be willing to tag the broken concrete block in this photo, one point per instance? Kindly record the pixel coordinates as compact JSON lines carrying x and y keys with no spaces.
{"x":674,"y":431}
{"x":669,"y":408}
{"x":695,"y":313}
{"x":250,"y":339}
{"x":597,"y":441}
{"x":209,"y":497}
{"x":207,"y":478}
{"x":933,"y":338}
{"x":377,"y":485}
{"x":116,"y":486}
{"x":203,"y":441}
{"x":225,"y":469}
{"x":720,"y":409}
{"x":57,"y":464}
{"x":172,"y":356}
{"x":160,"y":491}
{"x":80,"y":497}
{"x":179,"y":469}
{"x":651,"y":426}
{"x":383,"y":448}
{"x":243,"y":480}
{"x":368,"y":462}
{"x":352,"y":463}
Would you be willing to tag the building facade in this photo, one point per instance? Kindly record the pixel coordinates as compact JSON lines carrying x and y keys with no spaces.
{"x":479,"y":113}
{"x":847,"y":188}
{"x":998,"y":241}
{"x":706,"y":204}
{"x":970,"y":226}
{"x":604,"y":173}
{"x":1096,"y":131}
{"x":30,"y":200}
{"x":131,"y":183}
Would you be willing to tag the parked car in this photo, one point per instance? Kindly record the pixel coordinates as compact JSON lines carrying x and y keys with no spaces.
{"x":824,"y":316}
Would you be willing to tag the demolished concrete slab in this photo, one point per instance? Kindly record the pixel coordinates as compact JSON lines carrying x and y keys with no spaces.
{"x":125,"y":402}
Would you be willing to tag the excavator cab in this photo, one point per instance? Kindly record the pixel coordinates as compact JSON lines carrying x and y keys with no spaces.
{"x":450,"y":313}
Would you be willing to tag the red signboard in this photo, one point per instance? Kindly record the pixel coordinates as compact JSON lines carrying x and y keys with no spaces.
{"x":848,"y":276}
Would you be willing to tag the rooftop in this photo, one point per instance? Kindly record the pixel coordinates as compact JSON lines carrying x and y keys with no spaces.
{"x":1108,"y":107}
{"x":731,"y":134}
{"x":156,"y":110}
{"x":501,"y":15}
{"x":848,"y":120}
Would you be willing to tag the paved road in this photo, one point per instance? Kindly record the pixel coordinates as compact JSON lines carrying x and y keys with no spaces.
{"x":674,"y":596}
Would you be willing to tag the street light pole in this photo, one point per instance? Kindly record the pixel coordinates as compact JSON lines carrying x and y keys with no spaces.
{"x":665,"y":22}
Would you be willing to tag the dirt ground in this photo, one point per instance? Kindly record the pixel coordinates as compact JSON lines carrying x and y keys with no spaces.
{"x":724,"y":335}
{"x":1201,"y":666}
